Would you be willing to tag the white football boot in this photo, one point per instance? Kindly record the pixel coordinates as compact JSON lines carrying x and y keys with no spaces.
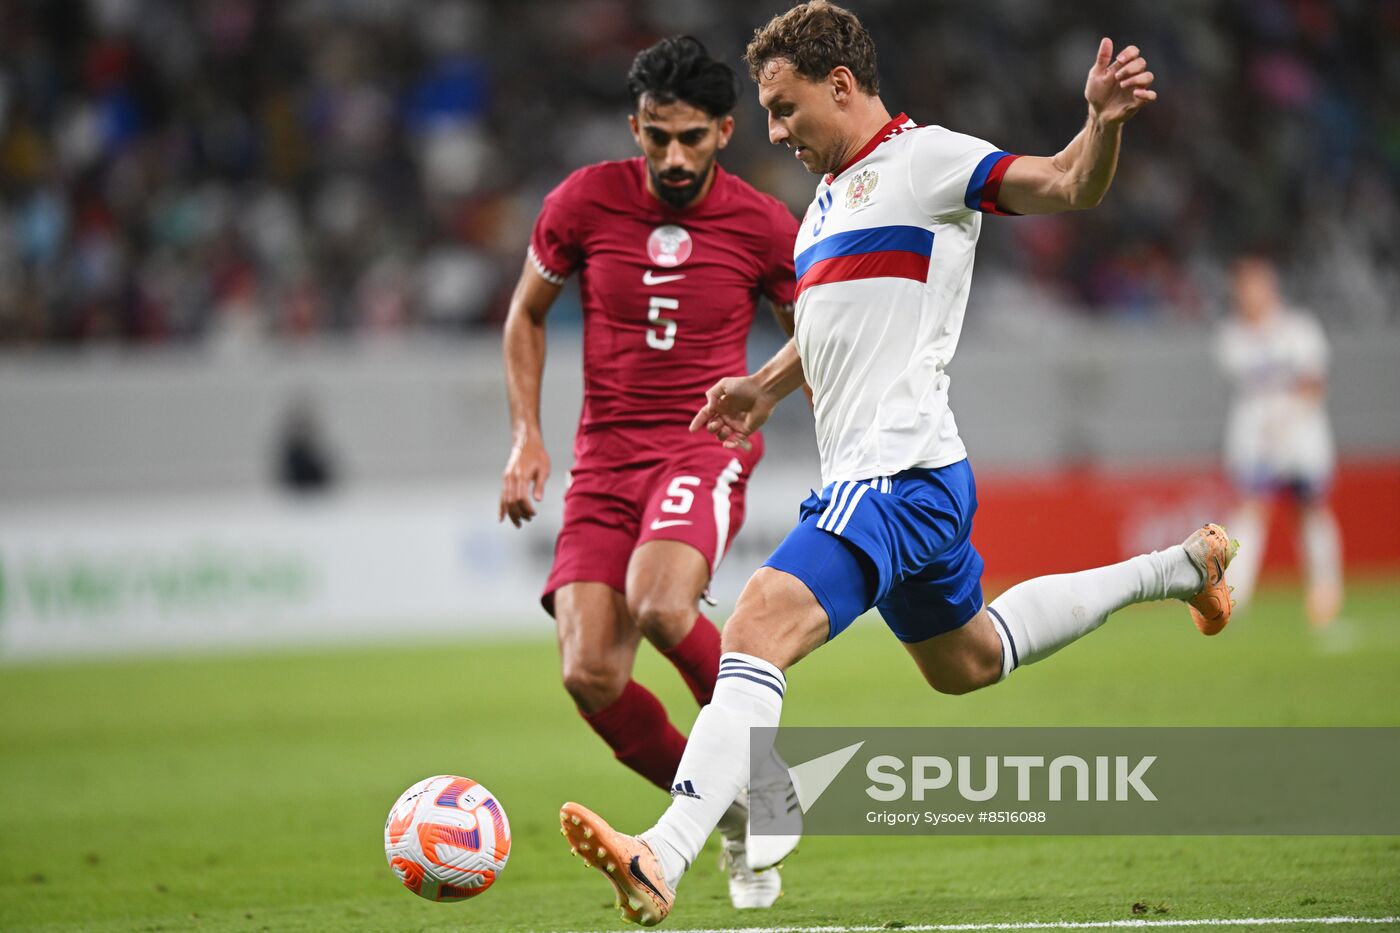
{"x":774,"y":808}
{"x":748,"y":889}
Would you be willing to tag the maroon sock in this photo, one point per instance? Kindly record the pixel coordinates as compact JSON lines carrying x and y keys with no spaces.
{"x":697,"y":658}
{"x":641,"y":737}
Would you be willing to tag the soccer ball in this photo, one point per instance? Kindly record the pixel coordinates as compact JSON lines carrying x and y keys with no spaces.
{"x":447,"y":838}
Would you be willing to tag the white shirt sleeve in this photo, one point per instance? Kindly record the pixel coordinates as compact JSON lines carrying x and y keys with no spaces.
{"x":952,"y":173}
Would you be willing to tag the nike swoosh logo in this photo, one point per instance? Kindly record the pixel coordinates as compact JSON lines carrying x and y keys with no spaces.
{"x":649,"y":279}
{"x":635,"y":870}
{"x":657,"y":524}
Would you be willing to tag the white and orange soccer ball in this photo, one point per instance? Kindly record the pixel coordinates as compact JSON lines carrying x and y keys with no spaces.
{"x":447,"y":838}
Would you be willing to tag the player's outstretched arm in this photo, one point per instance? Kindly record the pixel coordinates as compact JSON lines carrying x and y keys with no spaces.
{"x":737,"y":407}
{"x":528,"y":466}
{"x":1078,"y":177}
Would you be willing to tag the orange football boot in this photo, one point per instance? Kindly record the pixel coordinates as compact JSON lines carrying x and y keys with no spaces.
{"x":1211,"y":550}
{"x":627,"y":862}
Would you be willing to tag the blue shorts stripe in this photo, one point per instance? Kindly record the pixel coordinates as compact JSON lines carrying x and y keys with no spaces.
{"x":767,"y":683}
{"x":829,"y":506}
{"x":838,"y":502}
{"x":851,"y":509}
{"x":851,"y":488}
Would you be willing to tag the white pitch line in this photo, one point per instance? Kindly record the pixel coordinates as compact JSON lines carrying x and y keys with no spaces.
{"x":1068,"y":925}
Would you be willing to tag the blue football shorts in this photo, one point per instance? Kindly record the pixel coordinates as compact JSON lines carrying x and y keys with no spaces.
{"x":898,"y":543}
{"x":1306,"y":488}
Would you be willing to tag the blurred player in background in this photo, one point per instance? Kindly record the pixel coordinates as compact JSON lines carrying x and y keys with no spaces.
{"x":1278,"y":440}
{"x":673,"y":254}
{"x":884,"y":264}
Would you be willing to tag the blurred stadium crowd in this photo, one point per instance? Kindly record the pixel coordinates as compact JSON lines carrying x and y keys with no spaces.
{"x":227,"y":172}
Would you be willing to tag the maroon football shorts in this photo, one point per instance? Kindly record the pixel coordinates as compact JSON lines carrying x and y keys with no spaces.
{"x":694,"y":494}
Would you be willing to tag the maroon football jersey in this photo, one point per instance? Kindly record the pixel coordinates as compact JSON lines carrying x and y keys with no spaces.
{"x":668,"y":295}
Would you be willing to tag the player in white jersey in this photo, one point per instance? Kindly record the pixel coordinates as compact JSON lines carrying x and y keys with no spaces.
{"x":884,"y":263}
{"x":1277,"y":437}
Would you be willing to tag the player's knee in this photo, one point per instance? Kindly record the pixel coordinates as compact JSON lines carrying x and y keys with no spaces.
{"x":663,"y":619}
{"x":594,"y":682}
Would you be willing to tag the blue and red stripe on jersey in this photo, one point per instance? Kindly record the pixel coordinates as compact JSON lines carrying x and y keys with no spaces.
{"x":900,"y":252}
{"x":985,"y":184}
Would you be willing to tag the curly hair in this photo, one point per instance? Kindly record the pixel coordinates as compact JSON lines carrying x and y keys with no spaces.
{"x":816,"y":37}
{"x":681,"y":69}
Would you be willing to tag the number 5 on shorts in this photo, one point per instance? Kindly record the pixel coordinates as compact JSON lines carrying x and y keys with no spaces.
{"x":679,"y":497}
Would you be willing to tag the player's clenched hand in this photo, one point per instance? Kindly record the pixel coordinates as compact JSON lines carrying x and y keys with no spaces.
{"x":523,"y":479}
{"x":734,"y":409}
{"x":1118,"y":87}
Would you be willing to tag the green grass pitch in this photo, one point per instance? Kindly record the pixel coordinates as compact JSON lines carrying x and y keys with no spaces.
{"x":249,"y":793}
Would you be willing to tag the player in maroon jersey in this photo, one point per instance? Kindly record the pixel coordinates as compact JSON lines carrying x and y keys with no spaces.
{"x":673,"y":254}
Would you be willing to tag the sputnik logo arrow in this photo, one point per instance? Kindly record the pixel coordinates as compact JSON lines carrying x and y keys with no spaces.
{"x":811,"y":778}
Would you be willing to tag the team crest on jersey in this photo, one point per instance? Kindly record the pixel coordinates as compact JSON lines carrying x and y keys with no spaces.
{"x":860,"y":188}
{"x":669,"y":245}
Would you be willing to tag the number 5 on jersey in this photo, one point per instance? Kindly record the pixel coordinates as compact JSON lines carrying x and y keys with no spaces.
{"x":665,"y":337}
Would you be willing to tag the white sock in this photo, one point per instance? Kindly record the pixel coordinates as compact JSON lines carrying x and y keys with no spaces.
{"x":715,"y":766}
{"x":1250,"y":527}
{"x":1039,"y":617}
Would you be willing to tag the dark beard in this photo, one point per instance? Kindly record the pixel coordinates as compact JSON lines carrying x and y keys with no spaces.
{"x":676,"y":197}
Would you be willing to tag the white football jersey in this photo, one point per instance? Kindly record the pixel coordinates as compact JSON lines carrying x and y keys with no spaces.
{"x":1277,"y":426}
{"x":884,"y":263}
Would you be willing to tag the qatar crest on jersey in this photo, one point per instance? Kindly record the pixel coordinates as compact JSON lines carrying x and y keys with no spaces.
{"x":669,"y":245}
{"x":860,"y":188}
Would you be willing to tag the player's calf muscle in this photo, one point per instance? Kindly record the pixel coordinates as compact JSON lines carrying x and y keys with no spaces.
{"x":960,"y":661}
{"x":960,"y":680}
